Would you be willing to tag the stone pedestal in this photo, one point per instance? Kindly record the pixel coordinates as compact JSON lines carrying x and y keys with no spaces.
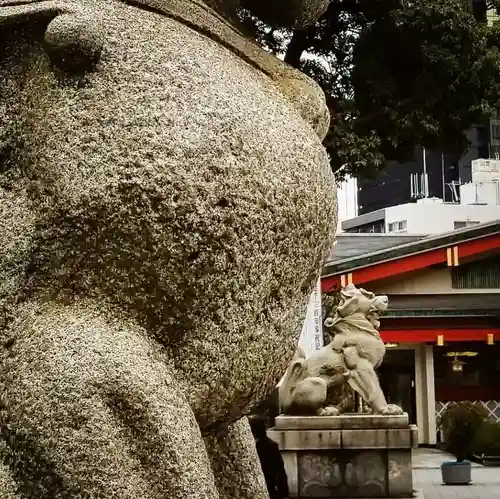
{"x":352,"y":455}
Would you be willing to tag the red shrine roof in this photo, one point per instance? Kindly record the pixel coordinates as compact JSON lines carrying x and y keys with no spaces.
{"x":451,"y":249}
{"x":352,"y":261}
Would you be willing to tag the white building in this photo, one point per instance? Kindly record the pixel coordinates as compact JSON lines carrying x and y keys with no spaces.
{"x":347,"y":198}
{"x":478,"y":202}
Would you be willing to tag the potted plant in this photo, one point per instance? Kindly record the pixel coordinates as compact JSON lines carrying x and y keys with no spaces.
{"x":460,"y":423}
{"x":487,"y":444}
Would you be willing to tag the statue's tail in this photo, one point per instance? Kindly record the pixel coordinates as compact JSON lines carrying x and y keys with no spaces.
{"x":293,"y":375}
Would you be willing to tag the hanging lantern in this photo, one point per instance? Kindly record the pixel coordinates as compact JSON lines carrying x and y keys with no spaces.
{"x":457,"y":365}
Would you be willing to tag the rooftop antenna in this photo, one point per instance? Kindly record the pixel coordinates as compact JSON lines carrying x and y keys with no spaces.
{"x":455,"y":198}
{"x":442,"y":178}
{"x":425,"y":180}
{"x":418,"y":186}
{"x":419,"y":182}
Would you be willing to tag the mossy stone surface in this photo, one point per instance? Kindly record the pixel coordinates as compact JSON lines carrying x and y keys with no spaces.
{"x":165,"y":215}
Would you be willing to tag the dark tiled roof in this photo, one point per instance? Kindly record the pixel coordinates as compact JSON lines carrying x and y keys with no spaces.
{"x":352,"y":245}
{"x":404,"y":248}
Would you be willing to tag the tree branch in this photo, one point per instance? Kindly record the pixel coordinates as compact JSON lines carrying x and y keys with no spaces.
{"x":295,"y":48}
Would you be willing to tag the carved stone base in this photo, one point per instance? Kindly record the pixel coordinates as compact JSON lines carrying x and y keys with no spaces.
{"x":352,"y":455}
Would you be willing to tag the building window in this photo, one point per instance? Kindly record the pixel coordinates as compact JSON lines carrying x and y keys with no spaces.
{"x":372,"y":228}
{"x":400,"y":226}
{"x":484,"y":274}
{"x":463,"y":224}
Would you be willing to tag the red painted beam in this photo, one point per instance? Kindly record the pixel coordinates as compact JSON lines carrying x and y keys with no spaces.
{"x":397,"y":267}
{"x":478,"y":246}
{"x":383,"y":270}
{"x":454,"y":393}
{"x":438,"y":323}
{"x":330,"y":284}
{"x":430,"y":335}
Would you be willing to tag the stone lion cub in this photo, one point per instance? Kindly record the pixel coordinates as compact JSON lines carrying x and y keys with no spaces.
{"x":352,"y":357}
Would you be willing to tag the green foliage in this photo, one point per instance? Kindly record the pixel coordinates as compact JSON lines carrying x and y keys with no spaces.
{"x":460,"y":424}
{"x":487,"y":441}
{"x":397,"y":74}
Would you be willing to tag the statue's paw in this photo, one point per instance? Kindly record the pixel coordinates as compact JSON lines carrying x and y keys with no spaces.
{"x":392,"y":410}
{"x":329,"y":410}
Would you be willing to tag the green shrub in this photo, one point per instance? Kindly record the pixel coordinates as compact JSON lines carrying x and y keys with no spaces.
{"x":460,"y":424}
{"x":487,"y":441}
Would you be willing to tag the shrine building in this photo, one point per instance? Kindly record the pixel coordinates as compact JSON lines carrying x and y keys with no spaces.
{"x":442,"y":328}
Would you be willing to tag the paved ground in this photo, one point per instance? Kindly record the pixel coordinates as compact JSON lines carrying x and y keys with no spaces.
{"x":427,"y":477}
{"x":429,"y":459}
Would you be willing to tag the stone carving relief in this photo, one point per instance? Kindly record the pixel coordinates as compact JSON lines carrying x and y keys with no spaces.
{"x":352,"y":357}
{"x":342,"y":474}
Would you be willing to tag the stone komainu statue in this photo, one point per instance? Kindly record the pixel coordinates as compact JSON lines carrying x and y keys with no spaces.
{"x":354,"y":353}
{"x":165,"y":205}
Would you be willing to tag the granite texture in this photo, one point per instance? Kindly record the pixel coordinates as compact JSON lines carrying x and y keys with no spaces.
{"x":354,"y":474}
{"x":400,"y":473}
{"x":351,"y":456}
{"x":390,"y":438}
{"x":91,"y":409}
{"x":235,"y":463}
{"x":166,"y":208}
{"x":8,"y":488}
{"x":354,"y":421}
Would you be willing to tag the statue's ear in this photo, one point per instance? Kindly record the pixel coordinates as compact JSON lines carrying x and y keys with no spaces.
{"x":366,"y":293}
{"x":73,"y":39}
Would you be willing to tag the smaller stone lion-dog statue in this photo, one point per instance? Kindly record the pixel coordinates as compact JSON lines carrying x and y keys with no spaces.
{"x":352,"y":357}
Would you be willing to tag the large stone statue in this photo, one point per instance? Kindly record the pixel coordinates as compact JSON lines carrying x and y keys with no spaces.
{"x":352,"y":357}
{"x":165,"y":207}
